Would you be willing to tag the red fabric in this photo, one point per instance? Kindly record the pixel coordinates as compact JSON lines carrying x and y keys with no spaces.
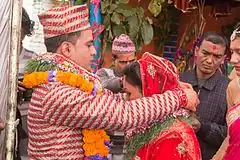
{"x":158,"y":75}
{"x":66,"y":19}
{"x":176,"y":143}
{"x":233,"y":119}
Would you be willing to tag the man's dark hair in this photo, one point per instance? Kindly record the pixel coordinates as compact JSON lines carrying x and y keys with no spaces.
{"x":53,"y":43}
{"x":27,"y":24}
{"x":133,"y":75}
{"x":215,"y":38}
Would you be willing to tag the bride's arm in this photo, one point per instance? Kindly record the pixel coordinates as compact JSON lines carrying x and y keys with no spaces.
{"x":222,"y":150}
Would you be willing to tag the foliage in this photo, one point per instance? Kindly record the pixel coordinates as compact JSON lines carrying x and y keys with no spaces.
{"x":120,"y":18}
{"x":163,"y":21}
{"x":79,"y":2}
{"x":155,"y":7}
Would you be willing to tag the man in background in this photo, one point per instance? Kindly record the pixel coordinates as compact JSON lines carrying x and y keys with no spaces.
{"x":123,"y":53}
{"x":211,"y":87}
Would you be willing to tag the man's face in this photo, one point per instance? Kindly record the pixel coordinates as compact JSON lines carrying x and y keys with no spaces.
{"x":123,"y":60}
{"x":83,"y":51}
{"x":235,"y":58}
{"x":209,"y":57}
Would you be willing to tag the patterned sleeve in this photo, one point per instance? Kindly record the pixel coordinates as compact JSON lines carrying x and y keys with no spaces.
{"x":68,"y":106}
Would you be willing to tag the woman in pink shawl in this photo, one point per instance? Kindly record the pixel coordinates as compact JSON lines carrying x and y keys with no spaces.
{"x":171,"y":139}
{"x":230,"y":149}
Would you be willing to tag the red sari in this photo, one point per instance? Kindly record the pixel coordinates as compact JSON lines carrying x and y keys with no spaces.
{"x":233,"y":120}
{"x":174,"y":141}
{"x":178,"y":142}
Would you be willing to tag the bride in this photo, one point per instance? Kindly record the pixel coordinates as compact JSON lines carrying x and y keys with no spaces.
{"x":173,"y":138}
{"x":230,"y":149}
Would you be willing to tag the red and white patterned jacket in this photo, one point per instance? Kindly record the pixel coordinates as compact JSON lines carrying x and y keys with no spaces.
{"x":58,"y":112}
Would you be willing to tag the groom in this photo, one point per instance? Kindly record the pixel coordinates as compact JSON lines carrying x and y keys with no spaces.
{"x":58,"y":110}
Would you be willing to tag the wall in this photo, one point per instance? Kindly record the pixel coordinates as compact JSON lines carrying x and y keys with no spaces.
{"x":212,"y":24}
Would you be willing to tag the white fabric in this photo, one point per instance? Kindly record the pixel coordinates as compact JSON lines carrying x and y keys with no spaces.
{"x":35,"y":42}
{"x":4,"y":52}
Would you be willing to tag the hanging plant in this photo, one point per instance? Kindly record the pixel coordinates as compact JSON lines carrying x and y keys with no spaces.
{"x":164,"y":14}
{"x":120,"y":18}
{"x":155,"y":7}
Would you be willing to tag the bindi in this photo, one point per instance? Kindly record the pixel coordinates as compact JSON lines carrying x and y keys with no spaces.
{"x":214,"y":47}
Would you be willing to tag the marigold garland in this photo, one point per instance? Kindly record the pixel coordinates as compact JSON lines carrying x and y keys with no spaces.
{"x":93,"y":142}
{"x":34,"y":79}
{"x":96,"y":142}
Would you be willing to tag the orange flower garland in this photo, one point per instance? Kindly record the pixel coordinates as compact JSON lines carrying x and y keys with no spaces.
{"x":34,"y":79}
{"x":94,"y":140}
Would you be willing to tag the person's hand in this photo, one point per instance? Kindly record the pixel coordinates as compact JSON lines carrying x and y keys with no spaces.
{"x":2,"y":124}
{"x":184,"y":85}
{"x":21,"y":87}
{"x":192,"y":99}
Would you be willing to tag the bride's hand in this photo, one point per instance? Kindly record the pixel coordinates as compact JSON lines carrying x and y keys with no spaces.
{"x":192,"y":99}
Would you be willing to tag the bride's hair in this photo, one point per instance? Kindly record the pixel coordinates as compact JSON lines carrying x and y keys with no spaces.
{"x":133,"y":75}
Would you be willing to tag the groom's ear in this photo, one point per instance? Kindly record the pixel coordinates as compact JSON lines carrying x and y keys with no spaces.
{"x":65,"y":49}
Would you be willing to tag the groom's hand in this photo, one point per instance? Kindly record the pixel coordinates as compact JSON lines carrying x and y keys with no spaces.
{"x":192,"y":99}
{"x":184,"y":85}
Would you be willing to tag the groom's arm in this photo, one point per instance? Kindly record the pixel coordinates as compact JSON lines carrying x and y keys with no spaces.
{"x":65,"y":105}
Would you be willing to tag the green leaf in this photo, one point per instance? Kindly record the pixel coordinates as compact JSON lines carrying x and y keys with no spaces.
{"x":115,"y":18}
{"x":113,"y":7}
{"x":147,"y":32}
{"x":155,"y":7}
{"x":104,"y":7}
{"x":118,"y":30}
{"x":106,"y":21}
{"x":123,"y":1}
{"x":140,"y":12}
{"x":124,"y":12}
{"x":133,"y":26}
{"x":79,"y":2}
